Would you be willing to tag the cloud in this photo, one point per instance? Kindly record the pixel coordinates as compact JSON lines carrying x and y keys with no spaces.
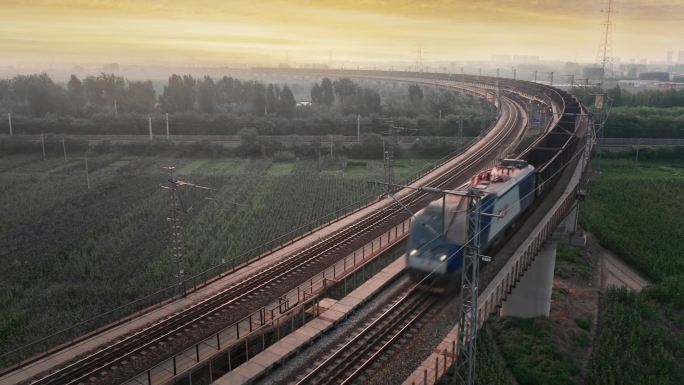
{"x":305,"y":30}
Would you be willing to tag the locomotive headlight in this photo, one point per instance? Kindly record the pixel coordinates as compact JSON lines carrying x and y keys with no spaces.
{"x":443,"y":258}
{"x":413,"y":252}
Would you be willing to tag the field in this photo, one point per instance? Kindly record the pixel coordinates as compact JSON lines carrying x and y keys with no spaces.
{"x":68,"y":253}
{"x":491,"y":367}
{"x":529,"y":351}
{"x":636,"y":210}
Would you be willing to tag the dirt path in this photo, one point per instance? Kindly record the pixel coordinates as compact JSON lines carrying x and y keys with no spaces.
{"x":614,"y":272}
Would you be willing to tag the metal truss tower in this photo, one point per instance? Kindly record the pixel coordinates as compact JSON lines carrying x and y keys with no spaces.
{"x":470,"y":278}
{"x":419,"y":58}
{"x":176,"y":207}
{"x":605,"y":54}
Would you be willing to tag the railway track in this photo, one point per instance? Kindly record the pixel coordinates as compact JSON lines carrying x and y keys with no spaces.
{"x":125,"y":358}
{"x":355,"y":360}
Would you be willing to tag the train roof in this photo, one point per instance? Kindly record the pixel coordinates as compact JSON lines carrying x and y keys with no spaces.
{"x":501,"y":178}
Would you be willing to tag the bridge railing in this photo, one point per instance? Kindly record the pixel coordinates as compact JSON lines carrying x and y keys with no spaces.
{"x":492,"y":297}
{"x":301,"y":302}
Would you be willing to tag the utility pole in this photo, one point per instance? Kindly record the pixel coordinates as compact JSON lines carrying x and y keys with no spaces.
{"x":176,"y":205}
{"x":116,"y":109}
{"x":149,"y":125}
{"x":497,"y":72}
{"x":167,"y":126}
{"x":535,"y":76}
{"x":572,"y":80}
{"x":42,"y":142}
{"x":388,"y":145}
{"x":358,"y":128}
{"x":636,"y":158}
{"x":9,"y":118}
{"x":332,"y":154}
{"x":174,"y":220}
{"x":515,"y":74}
{"x":64,"y":148}
{"x":551,"y":78}
{"x":87,"y":173}
{"x":419,"y":58}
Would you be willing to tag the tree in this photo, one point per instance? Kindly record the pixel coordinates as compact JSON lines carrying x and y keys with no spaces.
{"x":327,"y":92}
{"x":140,"y":97}
{"x":316,"y":94}
{"x":287,"y":103}
{"x":271,"y":99}
{"x":38,"y":93}
{"x":416,"y":95}
{"x":257,"y":94}
{"x":206,"y":95}
{"x":179,"y":94}
{"x":76,"y":96}
{"x":249,"y":142}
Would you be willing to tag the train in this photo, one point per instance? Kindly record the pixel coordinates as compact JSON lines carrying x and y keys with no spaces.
{"x":435,"y":255}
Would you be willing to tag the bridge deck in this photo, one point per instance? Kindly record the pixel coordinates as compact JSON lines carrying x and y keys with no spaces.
{"x":70,"y":352}
{"x":433,"y":367}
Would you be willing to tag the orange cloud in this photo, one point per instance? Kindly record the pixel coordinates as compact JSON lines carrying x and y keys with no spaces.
{"x":228,"y":32}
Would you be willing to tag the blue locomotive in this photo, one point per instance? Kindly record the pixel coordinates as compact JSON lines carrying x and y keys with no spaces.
{"x":435,"y":256}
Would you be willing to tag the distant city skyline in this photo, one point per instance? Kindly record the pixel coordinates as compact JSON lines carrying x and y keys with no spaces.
{"x":61,"y":33}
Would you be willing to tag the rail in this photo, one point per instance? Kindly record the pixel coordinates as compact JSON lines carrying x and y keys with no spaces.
{"x":250,"y":323}
{"x":495,"y":293}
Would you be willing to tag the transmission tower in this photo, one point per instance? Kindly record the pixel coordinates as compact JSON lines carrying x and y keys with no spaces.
{"x":388,"y":145}
{"x":604,"y":57}
{"x":470,"y":277}
{"x":176,"y":207}
{"x":419,"y":58}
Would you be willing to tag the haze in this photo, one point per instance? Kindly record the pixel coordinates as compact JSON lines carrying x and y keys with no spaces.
{"x":268,"y":32}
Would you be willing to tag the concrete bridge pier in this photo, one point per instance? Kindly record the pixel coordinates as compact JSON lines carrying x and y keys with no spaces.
{"x":532,"y":295}
{"x":568,"y":231}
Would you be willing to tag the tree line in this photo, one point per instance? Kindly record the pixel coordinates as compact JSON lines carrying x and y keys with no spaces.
{"x":646,"y":98}
{"x":111,"y":104}
{"x":349,"y":96}
{"x":37,"y":95}
{"x":643,"y":114}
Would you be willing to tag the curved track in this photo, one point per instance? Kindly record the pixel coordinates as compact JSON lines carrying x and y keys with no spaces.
{"x":352,"y":361}
{"x":174,"y":333}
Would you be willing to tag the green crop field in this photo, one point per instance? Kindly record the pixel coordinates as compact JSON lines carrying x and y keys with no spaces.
{"x":68,"y":253}
{"x":637,"y":211}
{"x":529,"y":351}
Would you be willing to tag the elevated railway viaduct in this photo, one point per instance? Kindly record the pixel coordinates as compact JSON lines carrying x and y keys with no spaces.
{"x":228,"y":305}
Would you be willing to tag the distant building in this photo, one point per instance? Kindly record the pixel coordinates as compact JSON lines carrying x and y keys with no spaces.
{"x":657,"y":76}
{"x":680,"y":57}
{"x":669,"y":57}
{"x":110,"y":67}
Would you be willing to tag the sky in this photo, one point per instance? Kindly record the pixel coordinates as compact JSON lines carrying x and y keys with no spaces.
{"x":268,"y":32}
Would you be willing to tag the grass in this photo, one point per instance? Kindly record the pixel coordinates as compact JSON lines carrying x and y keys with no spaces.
{"x":491,"y":368}
{"x":68,"y":253}
{"x":281,"y":168}
{"x":583,"y":323}
{"x":637,"y":211}
{"x":529,"y":350}
{"x":571,"y":262}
